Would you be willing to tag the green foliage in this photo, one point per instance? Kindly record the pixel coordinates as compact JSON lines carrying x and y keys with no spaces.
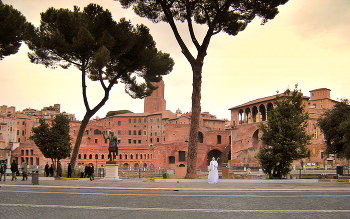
{"x":12,"y":29}
{"x":100,"y":47}
{"x":335,"y":124}
{"x":53,"y":140}
{"x":284,"y":135}
{"x":223,"y":15}
{"x":112,"y":113}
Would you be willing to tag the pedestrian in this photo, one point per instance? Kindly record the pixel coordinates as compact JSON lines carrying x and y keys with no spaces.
{"x":92,"y":171}
{"x":14,"y":170}
{"x":51,"y":170}
{"x":47,"y":171}
{"x":59,"y":168}
{"x":213,"y":176}
{"x":1,"y":171}
{"x":24,"y":170}
{"x":4,"y":168}
{"x":69,"y":175}
{"x":87,"y":171}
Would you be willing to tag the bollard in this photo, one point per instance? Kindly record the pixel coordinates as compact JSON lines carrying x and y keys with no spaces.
{"x":35,"y":177}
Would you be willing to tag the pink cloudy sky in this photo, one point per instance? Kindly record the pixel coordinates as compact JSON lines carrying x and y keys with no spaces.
{"x":307,"y":43}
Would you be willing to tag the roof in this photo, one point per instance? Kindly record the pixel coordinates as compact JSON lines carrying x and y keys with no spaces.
{"x":260,"y":100}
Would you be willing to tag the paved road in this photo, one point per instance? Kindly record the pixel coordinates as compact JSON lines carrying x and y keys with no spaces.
{"x":172,"y":199}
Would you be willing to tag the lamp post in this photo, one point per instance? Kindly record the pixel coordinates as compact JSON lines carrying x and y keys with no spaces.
{"x":140,"y":169}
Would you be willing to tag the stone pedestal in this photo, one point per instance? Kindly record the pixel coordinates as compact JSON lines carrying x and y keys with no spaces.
{"x":112,"y":171}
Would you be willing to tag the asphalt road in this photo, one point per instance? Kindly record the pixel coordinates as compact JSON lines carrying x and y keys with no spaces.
{"x":60,"y":202}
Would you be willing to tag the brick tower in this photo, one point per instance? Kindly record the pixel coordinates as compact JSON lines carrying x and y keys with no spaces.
{"x":155,"y":102}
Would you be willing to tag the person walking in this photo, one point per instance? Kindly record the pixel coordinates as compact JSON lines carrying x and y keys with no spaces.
{"x":69,"y":175}
{"x":1,"y":171}
{"x":51,"y":170}
{"x":14,"y":170}
{"x":92,"y":171}
{"x":24,"y":171}
{"x":87,"y":171}
{"x":59,"y":168}
{"x":4,"y":168}
{"x":47,"y":168}
{"x":213,"y":176}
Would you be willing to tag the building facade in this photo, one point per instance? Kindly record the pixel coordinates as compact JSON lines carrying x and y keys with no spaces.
{"x":246,"y":135}
{"x":159,"y":138}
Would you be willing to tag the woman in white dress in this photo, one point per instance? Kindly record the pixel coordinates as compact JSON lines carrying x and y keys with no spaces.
{"x":213,"y":176}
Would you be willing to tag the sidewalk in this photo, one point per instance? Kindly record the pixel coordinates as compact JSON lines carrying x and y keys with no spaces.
{"x":185,"y":184}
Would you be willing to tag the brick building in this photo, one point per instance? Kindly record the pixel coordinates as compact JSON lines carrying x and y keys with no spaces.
{"x":246,"y":141}
{"x":15,"y":131}
{"x":157,"y":138}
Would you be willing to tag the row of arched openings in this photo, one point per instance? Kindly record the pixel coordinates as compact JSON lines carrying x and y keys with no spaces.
{"x":254,"y":114}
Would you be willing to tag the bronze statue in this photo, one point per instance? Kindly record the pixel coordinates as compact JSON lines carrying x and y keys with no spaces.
{"x":113,"y":146}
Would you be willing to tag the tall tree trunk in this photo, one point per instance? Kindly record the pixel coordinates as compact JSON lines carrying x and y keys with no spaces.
{"x":82,"y":128}
{"x":196,"y":110}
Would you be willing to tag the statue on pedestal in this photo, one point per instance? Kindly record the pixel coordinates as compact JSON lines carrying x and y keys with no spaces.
{"x":113,"y":146}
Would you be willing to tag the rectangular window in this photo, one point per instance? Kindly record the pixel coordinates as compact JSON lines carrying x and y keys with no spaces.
{"x":218,"y":139}
{"x":119,"y":123}
{"x":134,"y":120}
{"x":17,"y":132}
{"x":134,"y":141}
{"x":129,"y":132}
{"x":139,"y":132}
{"x":139,"y":141}
{"x":171,"y":159}
{"x":145,"y":120}
{"x":119,"y":132}
{"x":134,"y":132}
{"x":182,"y":157}
{"x":157,"y":139}
{"x":129,"y":120}
{"x":139,"y":120}
{"x":129,"y":141}
{"x":96,"y":141}
{"x":144,"y":132}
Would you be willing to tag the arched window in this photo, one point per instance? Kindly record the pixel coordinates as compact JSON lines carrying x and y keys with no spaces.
{"x":90,"y":156}
{"x":79,"y":156}
{"x":96,"y":156}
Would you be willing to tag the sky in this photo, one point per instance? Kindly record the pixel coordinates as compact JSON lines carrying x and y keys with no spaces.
{"x":308,"y":43}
